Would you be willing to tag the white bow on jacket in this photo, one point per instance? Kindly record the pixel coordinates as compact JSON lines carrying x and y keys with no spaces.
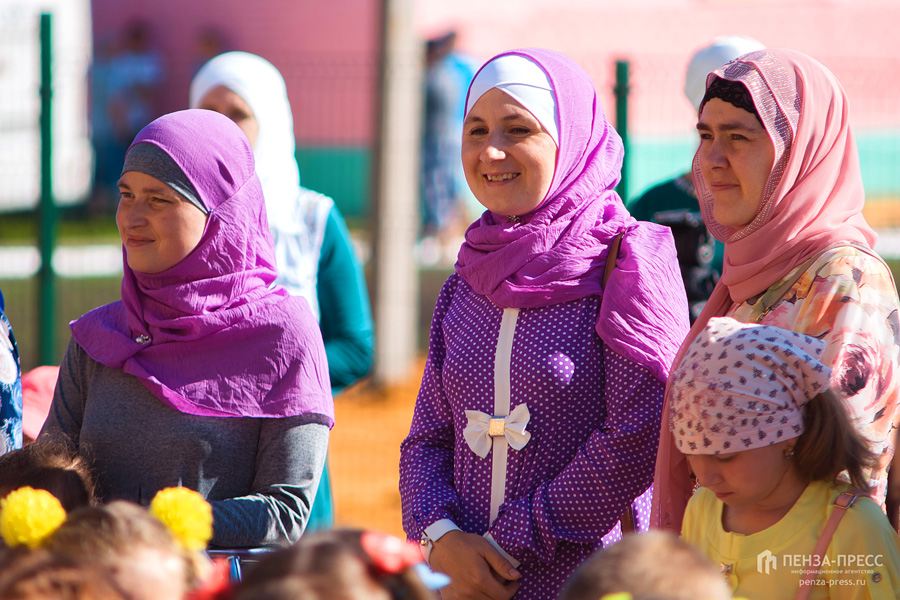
{"x":482,"y":427}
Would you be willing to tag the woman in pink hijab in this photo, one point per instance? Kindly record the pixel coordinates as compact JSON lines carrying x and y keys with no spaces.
{"x":778,"y":179}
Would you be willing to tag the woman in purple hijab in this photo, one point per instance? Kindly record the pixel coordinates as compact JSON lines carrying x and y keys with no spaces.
{"x":203,"y":375}
{"x":537,"y":421}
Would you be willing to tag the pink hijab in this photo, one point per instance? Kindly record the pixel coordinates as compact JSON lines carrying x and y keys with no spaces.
{"x":813,"y":199}
{"x":211,"y":336}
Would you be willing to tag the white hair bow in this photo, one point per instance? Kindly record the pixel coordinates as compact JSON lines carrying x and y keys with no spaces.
{"x":482,"y":427}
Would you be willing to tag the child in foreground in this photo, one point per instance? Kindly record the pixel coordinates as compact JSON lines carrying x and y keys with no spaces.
{"x":153,"y":554}
{"x":342,"y":564}
{"x":651,"y":566}
{"x":53,"y":464}
{"x":767,"y":440}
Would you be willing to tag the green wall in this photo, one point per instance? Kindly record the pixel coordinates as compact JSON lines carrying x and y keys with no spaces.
{"x":340,"y":172}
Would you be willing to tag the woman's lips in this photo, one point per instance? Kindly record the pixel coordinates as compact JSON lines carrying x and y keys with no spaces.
{"x":137,"y":241}
{"x":500,"y":178}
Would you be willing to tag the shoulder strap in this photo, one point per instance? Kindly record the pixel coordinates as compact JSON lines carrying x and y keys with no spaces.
{"x":611,"y":256}
{"x":844,"y":501}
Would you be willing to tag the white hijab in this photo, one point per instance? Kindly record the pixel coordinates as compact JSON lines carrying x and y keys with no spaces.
{"x":296,"y":216}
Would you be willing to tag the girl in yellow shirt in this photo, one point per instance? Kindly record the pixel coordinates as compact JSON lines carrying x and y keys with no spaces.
{"x":767,"y":440}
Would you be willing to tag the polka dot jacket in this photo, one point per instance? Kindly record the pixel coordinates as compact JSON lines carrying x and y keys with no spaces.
{"x":594,"y":424}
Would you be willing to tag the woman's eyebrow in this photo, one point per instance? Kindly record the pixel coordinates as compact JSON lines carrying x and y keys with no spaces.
{"x":701,"y":126}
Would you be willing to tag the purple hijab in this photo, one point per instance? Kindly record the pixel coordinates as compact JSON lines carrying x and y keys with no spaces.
{"x":557,"y":253}
{"x":210,"y":336}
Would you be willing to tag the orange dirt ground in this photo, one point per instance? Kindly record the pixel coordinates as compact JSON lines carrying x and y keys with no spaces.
{"x":364,"y":453}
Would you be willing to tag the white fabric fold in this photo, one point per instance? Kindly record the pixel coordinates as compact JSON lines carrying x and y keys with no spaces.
{"x":478,"y":429}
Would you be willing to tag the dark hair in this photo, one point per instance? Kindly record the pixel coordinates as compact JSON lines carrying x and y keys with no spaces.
{"x":38,"y":575}
{"x":830,"y":444}
{"x":330,"y":565}
{"x":650,"y":566}
{"x":51,"y":464}
{"x":733,"y":92}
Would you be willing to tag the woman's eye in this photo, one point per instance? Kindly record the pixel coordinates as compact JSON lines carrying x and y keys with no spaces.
{"x":158,"y":200}
{"x":519,"y":130}
{"x":738,"y":137}
{"x":478,"y":131}
{"x":705,"y":136}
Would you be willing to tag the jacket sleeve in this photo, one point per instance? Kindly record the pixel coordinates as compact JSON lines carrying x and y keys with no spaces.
{"x":289,"y":461}
{"x":67,"y":408}
{"x":346,"y":318}
{"x":426,"y":455}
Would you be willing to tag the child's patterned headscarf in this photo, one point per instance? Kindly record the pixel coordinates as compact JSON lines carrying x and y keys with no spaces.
{"x":742,"y":386}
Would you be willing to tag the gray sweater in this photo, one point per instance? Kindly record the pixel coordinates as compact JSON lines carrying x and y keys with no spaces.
{"x":260,"y":475}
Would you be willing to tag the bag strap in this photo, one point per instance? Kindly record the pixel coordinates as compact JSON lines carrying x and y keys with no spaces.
{"x":627,"y":519}
{"x":843,"y":502}
{"x":612,"y":256}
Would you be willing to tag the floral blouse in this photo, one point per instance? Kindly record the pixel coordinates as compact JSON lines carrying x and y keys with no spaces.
{"x":847,"y":297}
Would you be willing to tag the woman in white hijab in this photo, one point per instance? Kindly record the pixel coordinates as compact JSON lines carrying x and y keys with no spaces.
{"x":314,"y":253}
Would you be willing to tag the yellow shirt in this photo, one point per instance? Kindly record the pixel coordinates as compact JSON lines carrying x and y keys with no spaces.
{"x":862,"y":560}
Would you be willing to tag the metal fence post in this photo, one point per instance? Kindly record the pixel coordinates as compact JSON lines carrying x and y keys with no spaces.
{"x":396,"y":276}
{"x":48,"y":211}
{"x":621,"y":91}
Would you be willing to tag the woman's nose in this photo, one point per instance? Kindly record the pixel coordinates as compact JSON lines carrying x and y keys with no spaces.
{"x":715,"y":154}
{"x":493,"y":150}
{"x":132,"y":214}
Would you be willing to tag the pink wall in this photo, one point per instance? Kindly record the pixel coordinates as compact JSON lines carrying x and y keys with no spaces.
{"x":857,"y":39}
{"x":325,"y":50}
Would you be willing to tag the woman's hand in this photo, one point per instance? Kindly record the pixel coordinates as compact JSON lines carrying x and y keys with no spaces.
{"x":476,"y":569}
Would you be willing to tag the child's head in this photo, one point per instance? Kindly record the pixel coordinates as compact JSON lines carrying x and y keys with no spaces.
{"x":339,"y":565}
{"x":40,"y":575}
{"x":50,"y":464}
{"x":648,"y":566}
{"x":751,"y":406}
{"x":135,"y":548}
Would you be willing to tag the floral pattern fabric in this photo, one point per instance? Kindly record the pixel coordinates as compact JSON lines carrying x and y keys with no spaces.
{"x":10,"y":388}
{"x":847,"y":298}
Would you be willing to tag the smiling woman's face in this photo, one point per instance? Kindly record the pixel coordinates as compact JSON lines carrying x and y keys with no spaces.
{"x":158,"y":226}
{"x":508,"y":157}
{"x":736,"y":157}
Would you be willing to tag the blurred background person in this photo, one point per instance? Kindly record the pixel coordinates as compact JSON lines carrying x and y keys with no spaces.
{"x":314,"y":252}
{"x":445,"y":209}
{"x":674,"y":202}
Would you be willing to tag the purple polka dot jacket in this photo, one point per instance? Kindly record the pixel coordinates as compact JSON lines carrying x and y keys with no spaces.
{"x":594,"y":427}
